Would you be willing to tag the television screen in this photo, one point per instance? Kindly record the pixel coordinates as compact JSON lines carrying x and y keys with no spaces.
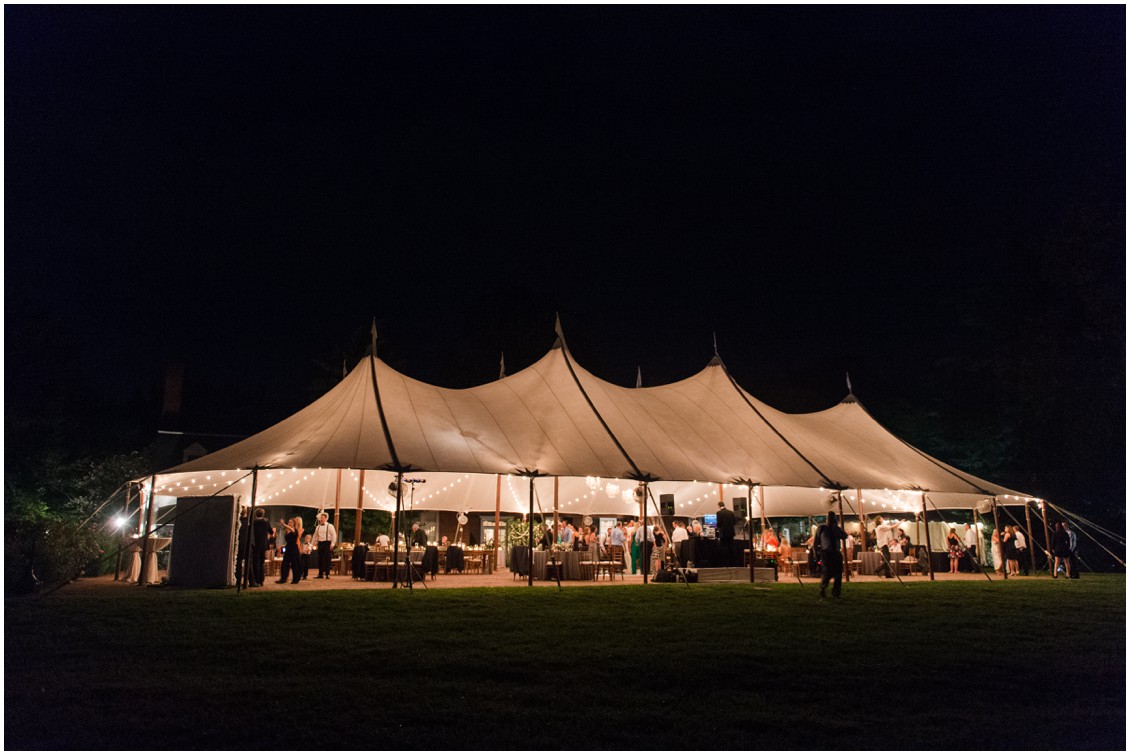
{"x":710,"y":520}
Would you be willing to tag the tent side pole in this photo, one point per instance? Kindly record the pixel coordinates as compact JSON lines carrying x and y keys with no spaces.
{"x":749,"y":498}
{"x":395,"y":534}
{"x":360,"y":503}
{"x":125,"y":512}
{"x":843,"y":543}
{"x":862,"y":524}
{"x":1000,"y":542}
{"x":240,"y":578}
{"x":497,"y":519}
{"x":1031,"y":545}
{"x":761,"y":503}
{"x":337,"y":506}
{"x":642,"y":530}
{"x":1047,"y":538}
{"x":556,"y":480}
{"x":146,"y":524}
{"x":530,"y":536}
{"x":979,"y":560}
{"x":929,"y":550}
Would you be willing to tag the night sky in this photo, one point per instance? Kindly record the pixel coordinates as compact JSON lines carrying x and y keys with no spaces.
{"x":930,"y":199}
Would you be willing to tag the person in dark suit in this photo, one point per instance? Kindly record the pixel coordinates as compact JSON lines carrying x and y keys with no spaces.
{"x":419,"y":537}
{"x":726,"y":522}
{"x":827,"y":544}
{"x":260,"y":537}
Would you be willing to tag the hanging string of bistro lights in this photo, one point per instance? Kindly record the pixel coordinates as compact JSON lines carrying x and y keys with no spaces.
{"x":289,"y":479}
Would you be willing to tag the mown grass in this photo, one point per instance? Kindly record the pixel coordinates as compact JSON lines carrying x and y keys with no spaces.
{"x":1032,"y":664}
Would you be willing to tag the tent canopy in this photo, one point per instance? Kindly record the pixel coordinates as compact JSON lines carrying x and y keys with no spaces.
{"x":562,"y":421}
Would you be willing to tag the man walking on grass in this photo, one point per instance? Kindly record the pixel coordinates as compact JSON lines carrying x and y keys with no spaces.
{"x":828,"y":538}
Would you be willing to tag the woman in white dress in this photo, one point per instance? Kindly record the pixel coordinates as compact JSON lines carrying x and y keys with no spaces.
{"x":998,"y":561}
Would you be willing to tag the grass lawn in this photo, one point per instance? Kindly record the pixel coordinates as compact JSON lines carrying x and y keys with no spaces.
{"x":1031,"y":664}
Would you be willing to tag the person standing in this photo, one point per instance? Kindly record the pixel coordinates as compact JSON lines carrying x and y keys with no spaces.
{"x":1073,"y":546}
{"x":292,"y":562}
{"x":633,"y":551}
{"x":241,"y":541}
{"x":643,"y":544}
{"x":726,"y":523}
{"x":1021,"y":551}
{"x":971,"y":544}
{"x":419,"y":537}
{"x":678,"y":537}
{"x":325,"y":538}
{"x":954,"y":550}
{"x":827,"y":540}
{"x":261,"y":534}
{"x":1008,"y":545}
{"x":883,"y":538}
{"x":660,"y":552}
{"x":995,"y":549}
{"x":307,"y":551}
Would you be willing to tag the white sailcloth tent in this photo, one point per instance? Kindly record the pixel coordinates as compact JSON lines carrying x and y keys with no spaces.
{"x":701,"y":439}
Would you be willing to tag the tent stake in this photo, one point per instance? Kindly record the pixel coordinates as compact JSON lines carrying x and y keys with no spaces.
{"x":929,"y":549}
{"x":1000,"y":540}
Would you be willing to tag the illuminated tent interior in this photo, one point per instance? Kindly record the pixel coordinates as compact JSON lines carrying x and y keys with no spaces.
{"x":701,"y":439}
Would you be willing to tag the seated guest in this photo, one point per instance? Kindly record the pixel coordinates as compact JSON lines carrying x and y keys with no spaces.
{"x":895,"y":549}
{"x":546,"y":541}
{"x":769,"y":540}
{"x":904,"y":544}
{"x":696,"y":528}
{"x":443,"y":542}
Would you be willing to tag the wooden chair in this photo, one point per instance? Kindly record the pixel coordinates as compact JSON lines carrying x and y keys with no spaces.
{"x":590,"y":565}
{"x":611,"y":560}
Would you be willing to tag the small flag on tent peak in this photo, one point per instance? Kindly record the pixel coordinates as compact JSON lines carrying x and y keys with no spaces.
{"x":639,"y":377}
{"x":373,"y":333}
{"x":501,"y":365}
{"x":715,"y":336}
{"x":557,"y":324}
{"x":848,"y":376}
{"x":344,"y":371}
